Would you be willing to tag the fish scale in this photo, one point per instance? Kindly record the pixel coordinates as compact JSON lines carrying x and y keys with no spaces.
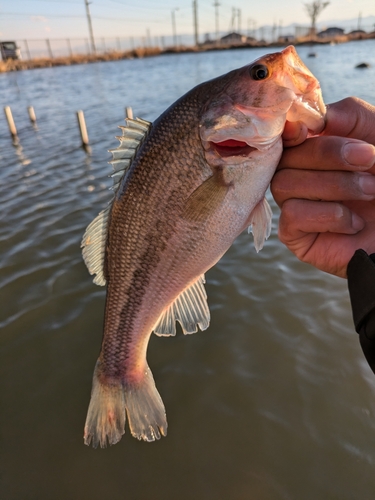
{"x":190,"y":184}
{"x":149,"y":186}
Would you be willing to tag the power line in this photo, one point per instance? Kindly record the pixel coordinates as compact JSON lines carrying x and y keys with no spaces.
{"x":25,"y":14}
{"x":148,"y":7}
{"x":56,"y":1}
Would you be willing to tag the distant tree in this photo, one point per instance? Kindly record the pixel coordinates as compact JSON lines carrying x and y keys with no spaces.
{"x":314,"y":9}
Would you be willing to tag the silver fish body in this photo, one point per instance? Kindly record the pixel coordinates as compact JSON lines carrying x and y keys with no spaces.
{"x":191,"y":183}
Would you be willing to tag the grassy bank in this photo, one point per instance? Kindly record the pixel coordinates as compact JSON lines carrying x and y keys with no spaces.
{"x":46,"y":62}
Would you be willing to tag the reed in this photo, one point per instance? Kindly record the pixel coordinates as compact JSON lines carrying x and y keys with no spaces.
{"x":46,"y":62}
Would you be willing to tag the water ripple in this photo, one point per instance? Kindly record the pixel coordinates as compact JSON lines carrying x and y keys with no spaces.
{"x":273,"y":401}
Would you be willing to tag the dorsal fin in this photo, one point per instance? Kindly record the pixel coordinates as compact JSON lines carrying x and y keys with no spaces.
{"x":133,"y":135}
{"x":190,"y":309}
{"x":95,"y":237}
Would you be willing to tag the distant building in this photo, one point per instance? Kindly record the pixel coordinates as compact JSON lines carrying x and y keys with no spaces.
{"x":208,"y":40}
{"x":330,"y":32}
{"x":286,"y":38}
{"x":357,"y":34}
{"x":232,"y":38}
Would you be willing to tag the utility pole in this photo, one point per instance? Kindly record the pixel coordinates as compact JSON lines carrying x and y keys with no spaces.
{"x":280,"y":27}
{"x":217,"y":5}
{"x":233,"y":17}
{"x":195,"y":16}
{"x":239,"y":20}
{"x":174,"y":27}
{"x":93,"y":48}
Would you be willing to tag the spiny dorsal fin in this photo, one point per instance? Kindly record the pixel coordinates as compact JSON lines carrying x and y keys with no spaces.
{"x":190,"y":309}
{"x":95,"y":237}
{"x":133,"y":135}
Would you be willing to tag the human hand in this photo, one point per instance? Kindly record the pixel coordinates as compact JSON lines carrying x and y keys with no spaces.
{"x":325,"y":187}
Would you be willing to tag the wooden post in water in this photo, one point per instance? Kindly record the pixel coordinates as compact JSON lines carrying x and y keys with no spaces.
{"x":32,"y":115}
{"x":11,"y":124}
{"x":83,"y":129}
{"x":128,"y":112}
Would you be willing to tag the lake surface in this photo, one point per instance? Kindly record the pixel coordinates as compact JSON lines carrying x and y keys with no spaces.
{"x":273,"y":401}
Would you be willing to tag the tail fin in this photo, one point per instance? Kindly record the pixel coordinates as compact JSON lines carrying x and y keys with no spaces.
{"x":145,"y":409}
{"x":106,"y":414}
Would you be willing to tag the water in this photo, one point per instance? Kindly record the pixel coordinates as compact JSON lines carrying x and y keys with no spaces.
{"x":273,"y":401}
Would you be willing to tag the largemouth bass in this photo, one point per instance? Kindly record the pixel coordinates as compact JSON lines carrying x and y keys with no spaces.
{"x":187,"y":186}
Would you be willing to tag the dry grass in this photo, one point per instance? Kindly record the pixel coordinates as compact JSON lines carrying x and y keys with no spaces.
{"x":45,"y":62}
{"x":333,"y":39}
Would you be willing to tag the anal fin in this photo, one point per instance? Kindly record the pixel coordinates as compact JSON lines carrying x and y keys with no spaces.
{"x":190,"y":309}
{"x":260,"y":223}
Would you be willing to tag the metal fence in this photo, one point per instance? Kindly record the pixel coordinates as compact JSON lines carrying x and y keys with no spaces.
{"x":66,"y":47}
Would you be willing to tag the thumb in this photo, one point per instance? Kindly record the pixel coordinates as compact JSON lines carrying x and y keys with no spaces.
{"x":294,"y":133}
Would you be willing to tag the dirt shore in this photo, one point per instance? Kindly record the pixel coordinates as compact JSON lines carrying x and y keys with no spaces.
{"x":46,"y":62}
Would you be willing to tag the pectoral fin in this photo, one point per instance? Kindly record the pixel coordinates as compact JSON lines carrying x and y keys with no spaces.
{"x":260,"y":223}
{"x":205,"y":200}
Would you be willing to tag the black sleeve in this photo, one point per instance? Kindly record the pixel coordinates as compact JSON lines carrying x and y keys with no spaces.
{"x":361,"y":283}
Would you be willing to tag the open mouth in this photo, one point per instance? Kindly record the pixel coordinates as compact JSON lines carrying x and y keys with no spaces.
{"x":231,"y":147}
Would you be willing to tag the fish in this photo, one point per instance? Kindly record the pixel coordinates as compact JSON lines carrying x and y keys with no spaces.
{"x":185,"y":186}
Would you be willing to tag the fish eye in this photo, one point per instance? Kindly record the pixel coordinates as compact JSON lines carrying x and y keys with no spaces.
{"x":259,"y":72}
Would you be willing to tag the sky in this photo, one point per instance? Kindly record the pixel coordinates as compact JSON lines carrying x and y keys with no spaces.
{"x":40,"y":19}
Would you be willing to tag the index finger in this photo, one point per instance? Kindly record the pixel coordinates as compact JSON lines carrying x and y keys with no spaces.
{"x":329,"y":153}
{"x":351,"y":117}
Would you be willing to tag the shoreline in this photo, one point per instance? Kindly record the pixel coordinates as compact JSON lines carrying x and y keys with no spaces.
{"x":46,"y":62}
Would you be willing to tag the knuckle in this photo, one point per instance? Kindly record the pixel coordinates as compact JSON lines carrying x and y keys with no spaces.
{"x":328,"y":150}
{"x":289,"y":212}
{"x":278,"y":185}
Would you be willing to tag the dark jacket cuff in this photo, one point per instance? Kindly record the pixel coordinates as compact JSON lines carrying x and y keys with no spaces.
{"x":361,"y":284}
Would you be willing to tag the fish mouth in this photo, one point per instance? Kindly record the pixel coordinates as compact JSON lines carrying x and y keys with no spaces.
{"x":310,"y":109}
{"x":308,"y":106}
{"x":231,"y":147}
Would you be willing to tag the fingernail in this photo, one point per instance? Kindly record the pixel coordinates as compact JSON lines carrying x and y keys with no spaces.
{"x":357,"y":222}
{"x":367,"y":183}
{"x":359,"y":154}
